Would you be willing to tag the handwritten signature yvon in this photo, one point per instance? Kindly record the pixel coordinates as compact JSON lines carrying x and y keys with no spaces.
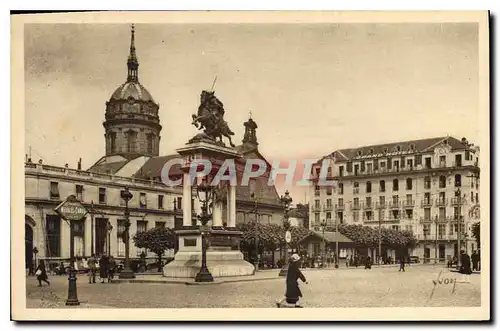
{"x":441,"y":281}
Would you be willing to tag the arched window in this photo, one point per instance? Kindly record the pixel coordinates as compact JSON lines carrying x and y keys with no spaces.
{"x":458,"y":180}
{"x":382,"y":186}
{"x":409,"y":184}
{"x":442,"y":181}
{"x":395,"y":185}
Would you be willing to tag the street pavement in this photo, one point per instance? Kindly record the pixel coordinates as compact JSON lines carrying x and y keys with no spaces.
{"x":378,"y":287}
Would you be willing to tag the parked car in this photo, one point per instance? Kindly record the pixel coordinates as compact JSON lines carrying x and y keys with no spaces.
{"x":414,"y":259}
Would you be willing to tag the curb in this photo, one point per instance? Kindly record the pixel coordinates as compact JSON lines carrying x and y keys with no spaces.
{"x":215,"y":282}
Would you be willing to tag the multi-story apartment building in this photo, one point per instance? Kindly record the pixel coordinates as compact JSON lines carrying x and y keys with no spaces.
{"x":427,"y":186}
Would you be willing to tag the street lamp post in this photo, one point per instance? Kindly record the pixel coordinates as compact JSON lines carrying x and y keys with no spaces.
{"x":286,"y":201}
{"x":35,"y":251}
{"x":127,"y":273}
{"x":205,"y":196}
{"x":336,"y":243}
{"x":323,"y":227}
{"x":110,"y":228}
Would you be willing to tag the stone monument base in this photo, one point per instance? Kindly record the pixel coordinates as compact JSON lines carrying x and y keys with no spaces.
{"x":223,"y":258}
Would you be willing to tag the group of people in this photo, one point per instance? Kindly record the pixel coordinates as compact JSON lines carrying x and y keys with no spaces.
{"x":107,"y":268}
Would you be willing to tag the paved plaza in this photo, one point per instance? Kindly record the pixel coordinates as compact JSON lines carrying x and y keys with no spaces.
{"x":379,"y":287}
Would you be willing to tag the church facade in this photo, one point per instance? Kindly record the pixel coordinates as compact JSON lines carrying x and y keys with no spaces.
{"x":132,"y":160}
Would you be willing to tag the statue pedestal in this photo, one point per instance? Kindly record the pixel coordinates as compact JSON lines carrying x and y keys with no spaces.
{"x":224,"y":258}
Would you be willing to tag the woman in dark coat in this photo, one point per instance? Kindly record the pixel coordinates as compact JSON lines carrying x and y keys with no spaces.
{"x":103,"y":268}
{"x":465,"y":268}
{"x":41,"y":274}
{"x":293,"y":293}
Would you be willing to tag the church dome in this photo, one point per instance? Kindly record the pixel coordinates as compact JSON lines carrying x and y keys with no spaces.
{"x":132,"y":90}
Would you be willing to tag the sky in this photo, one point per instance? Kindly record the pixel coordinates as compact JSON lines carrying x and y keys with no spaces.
{"x":312,"y":88}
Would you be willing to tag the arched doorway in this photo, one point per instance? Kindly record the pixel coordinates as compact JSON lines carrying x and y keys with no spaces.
{"x":28,"y":242}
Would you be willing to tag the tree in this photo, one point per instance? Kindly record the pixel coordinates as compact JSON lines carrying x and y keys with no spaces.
{"x":157,"y":240}
{"x":476,"y":232}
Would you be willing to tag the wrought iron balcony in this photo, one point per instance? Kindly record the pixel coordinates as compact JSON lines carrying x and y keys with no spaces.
{"x":458,"y":201}
{"x":381,"y":205}
{"x":316,"y":208}
{"x":340,"y":207}
{"x":368,"y":206}
{"x":409,"y":203}
{"x":426,"y":203}
{"x":328,"y":207}
{"x":356,"y":207}
{"x":441,"y":202}
{"x":394,"y":204}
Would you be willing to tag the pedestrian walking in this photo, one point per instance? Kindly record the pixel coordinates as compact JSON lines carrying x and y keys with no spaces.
{"x":103,"y":270}
{"x":111,"y":268}
{"x":92,"y":268}
{"x":41,"y":273}
{"x":465,"y":268}
{"x":402,"y":264}
{"x":368,"y":263}
{"x":475,"y":261}
{"x":293,"y":293}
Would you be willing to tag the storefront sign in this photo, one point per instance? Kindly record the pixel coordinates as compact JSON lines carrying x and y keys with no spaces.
{"x":71,"y":209}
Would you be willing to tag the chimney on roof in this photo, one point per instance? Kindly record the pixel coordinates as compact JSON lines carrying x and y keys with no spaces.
{"x":79,"y":167}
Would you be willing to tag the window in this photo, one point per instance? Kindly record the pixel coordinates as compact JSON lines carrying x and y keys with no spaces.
{"x":442,"y":181}
{"x":428,"y":162}
{"x":398,"y":148}
{"x":341,"y":202}
{"x":349,"y":166}
{"x":477,"y":197}
{"x":160,"y":201}
{"x":79,"y":235}
{"x":402,"y":162}
{"x":341,"y":188}
{"x":363,"y":168}
{"x":427,"y":230}
{"x":471,"y":196}
{"x":369,"y":168}
{"x":369,"y":215}
{"x":382,"y":186}
{"x":458,"y":160}
{"x":340,"y":216}
{"x":409,"y":199}
{"x":456,"y":215}
{"x":316,"y":191}
{"x":53,"y":228}
{"x":159,"y":224}
{"x":54,"y":190}
{"x":442,"y":160}
{"x":382,"y":164}
{"x":382,"y":202}
{"x":427,"y":182}
{"x":328,"y":216}
{"x":119,"y":237}
{"x":427,"y":214}
{"x":328,"y":191}
{"x":143,"y":202}
{"x":179,"y":203}
{"x":150,"y":143}
{"x":356,"y":169}
{"x":316,"y":218}
{"x":396,"y":165}
{"x":368,"y":202}
{"x":381,"y":215}
{"x":442,"y":214}
{"x":113,"y":142}
{"x":79,"y":192}
{"x":441,"y":230}
{"x":427,"y":198}
{"x":368,"y":187}
{"x":329,"y":203}
{"x":341,"y":171}
{"x":131,"y":141}
{"x":418,"y":160}
{"x":122,"y":201}
{"x":142,"y":226}
{"x":458,"y":180}
{"x":409,"y":184}
{"x":395,"y":214}
{"x":410,"y":164}
{"x":395,"y":185}
{"x":409,"y":214}
{"x":355,"y":216}
{"x":102,"y":195}
{"x":356,"y":202}
{"x":316,"y":204}
{"x":356,"y":187}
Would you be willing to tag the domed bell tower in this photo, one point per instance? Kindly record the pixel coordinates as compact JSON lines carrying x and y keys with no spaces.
{"x":132,"y":125}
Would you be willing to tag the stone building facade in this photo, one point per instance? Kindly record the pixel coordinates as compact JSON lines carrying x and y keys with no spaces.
{"x":426,"y":186}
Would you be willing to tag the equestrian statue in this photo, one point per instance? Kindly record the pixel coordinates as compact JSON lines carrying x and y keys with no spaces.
{"x":210,"y":118}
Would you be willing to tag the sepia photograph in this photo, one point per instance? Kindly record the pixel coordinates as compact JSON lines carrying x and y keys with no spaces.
{"x":215,"y":162}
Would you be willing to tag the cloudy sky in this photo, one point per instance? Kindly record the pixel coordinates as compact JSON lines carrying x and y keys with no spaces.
{"x":312,"y":88}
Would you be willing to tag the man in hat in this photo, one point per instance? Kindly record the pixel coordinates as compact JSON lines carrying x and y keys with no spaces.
{"x":293,"y":293}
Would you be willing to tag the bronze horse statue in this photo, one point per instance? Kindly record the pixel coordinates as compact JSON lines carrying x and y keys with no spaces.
{"x":210,"y":118}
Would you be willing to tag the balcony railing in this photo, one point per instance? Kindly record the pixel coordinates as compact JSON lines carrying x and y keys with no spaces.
{"x":426,"y":203}
{"x":458,"y":201}
{"x":356,"y":207}
{"x":394,"y":204}
{"x":316,"y":208}
{"x":340,"y":207}
{"x":328,"y":207}
{"x":409,"y":203}
{"x":441,"y":202}
{"x":368,"y":206}
{"x":381,"y":205}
